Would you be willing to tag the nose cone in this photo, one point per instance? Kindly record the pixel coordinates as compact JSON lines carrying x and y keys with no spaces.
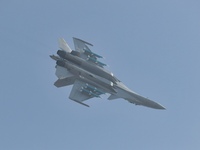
{"x":140,"y":100}
{"x":155,"y":105}
{"x":160,"y":107}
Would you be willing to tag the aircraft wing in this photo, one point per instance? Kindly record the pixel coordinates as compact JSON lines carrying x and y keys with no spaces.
{"x":85,"y":52}
{"x":82,"y":91}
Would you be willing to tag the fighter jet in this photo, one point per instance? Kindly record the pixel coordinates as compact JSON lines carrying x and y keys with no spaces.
{"x":82,"y":69}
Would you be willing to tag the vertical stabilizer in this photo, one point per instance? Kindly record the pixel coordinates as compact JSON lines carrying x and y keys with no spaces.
{"x":63,"y":45}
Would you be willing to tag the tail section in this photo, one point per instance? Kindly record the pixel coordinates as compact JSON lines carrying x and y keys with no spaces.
{"x":64,"y":46}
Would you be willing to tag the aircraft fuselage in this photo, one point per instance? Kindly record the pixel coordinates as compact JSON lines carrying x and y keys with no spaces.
{"x":94,"y":69}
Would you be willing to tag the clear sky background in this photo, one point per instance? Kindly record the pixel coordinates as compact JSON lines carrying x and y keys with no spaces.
{"x":153,"y":46}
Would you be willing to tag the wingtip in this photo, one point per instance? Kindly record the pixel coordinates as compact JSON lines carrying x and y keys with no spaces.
{"x":81,"y":103}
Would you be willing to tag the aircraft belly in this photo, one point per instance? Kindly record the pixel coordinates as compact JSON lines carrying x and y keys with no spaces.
{"x":89,"y":67}
{"x":89,"y":77}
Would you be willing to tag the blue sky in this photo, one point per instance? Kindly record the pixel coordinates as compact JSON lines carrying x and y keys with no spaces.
{"x":152,"y":46}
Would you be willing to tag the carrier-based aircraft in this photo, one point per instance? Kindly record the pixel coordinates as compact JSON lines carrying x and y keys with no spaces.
{"x":82,"y":69}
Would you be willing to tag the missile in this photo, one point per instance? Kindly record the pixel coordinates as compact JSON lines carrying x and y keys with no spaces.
{"x":96,"y":61}
{"x":101,"y":64}
{"x":89,"y":92}
{"x":92,"y":53}
{"x":94,"y":89}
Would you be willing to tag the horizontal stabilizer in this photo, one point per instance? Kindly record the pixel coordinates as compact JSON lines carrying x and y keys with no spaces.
{"x":62,"y":72}
{"x":65,"y":82}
